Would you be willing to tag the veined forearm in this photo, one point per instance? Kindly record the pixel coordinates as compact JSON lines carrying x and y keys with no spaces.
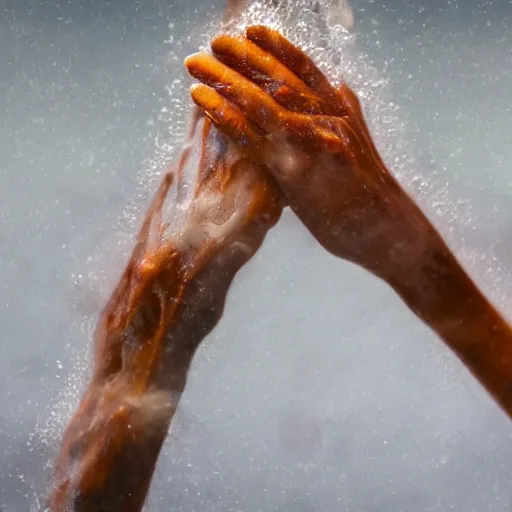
{"x":112,"y":445}
{"x":169,"y":298}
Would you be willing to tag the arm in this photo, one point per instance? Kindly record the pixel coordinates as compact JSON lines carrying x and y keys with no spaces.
{"x":314,"y":139}
{"x":169,"y":298}
{"x":440,"y":292}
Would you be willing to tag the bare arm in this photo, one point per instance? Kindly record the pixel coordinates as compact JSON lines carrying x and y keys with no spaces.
{"x":314,"y":139}
{"x":169,"y":298}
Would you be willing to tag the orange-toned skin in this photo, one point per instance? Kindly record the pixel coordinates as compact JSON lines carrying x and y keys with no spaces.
{"x":314,"y":140}
{"x":169,"y":298}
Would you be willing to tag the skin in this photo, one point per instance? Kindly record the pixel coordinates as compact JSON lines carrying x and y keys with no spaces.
{"x":169,"y":298}
{"x":314,"y":140}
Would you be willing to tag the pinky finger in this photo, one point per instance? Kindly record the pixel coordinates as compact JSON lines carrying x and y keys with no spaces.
{"x":228,"y":118}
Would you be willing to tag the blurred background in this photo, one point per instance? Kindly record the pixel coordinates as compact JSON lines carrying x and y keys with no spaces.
{"x":319,"y":390}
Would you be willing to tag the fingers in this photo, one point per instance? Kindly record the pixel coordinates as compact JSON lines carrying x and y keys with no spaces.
{"x":232,"y":122}
{"x":257,"y":106}
{"x":225,"y":116}
{"x":299,"y":63}
{"x":242,"y":101}
{"x":268,"y":73}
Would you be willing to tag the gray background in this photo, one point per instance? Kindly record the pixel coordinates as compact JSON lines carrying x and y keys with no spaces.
{"x":319,"y":390}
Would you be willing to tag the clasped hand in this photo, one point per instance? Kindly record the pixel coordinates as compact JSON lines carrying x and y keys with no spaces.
{"x":271,"y":99}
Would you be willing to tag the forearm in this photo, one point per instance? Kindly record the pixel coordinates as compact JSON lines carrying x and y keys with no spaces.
{"x":414,"y":259}
{"x":410,"y":255}
{"x":110,"y":451}
{"x":169,"y":298}
{"x":442,"y":294}
{"x":112,"y":445}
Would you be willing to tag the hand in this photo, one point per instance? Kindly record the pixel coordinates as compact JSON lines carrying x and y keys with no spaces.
{"x":315,"y":142}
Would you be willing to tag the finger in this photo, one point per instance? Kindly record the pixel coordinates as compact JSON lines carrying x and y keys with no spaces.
{"x":298,"y":62}
{"x":268,"y":73}
{"x":352,"y":101}
{"x":227,"y":118}
{"x":258,"y":106}
{"x":232,"y":122}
